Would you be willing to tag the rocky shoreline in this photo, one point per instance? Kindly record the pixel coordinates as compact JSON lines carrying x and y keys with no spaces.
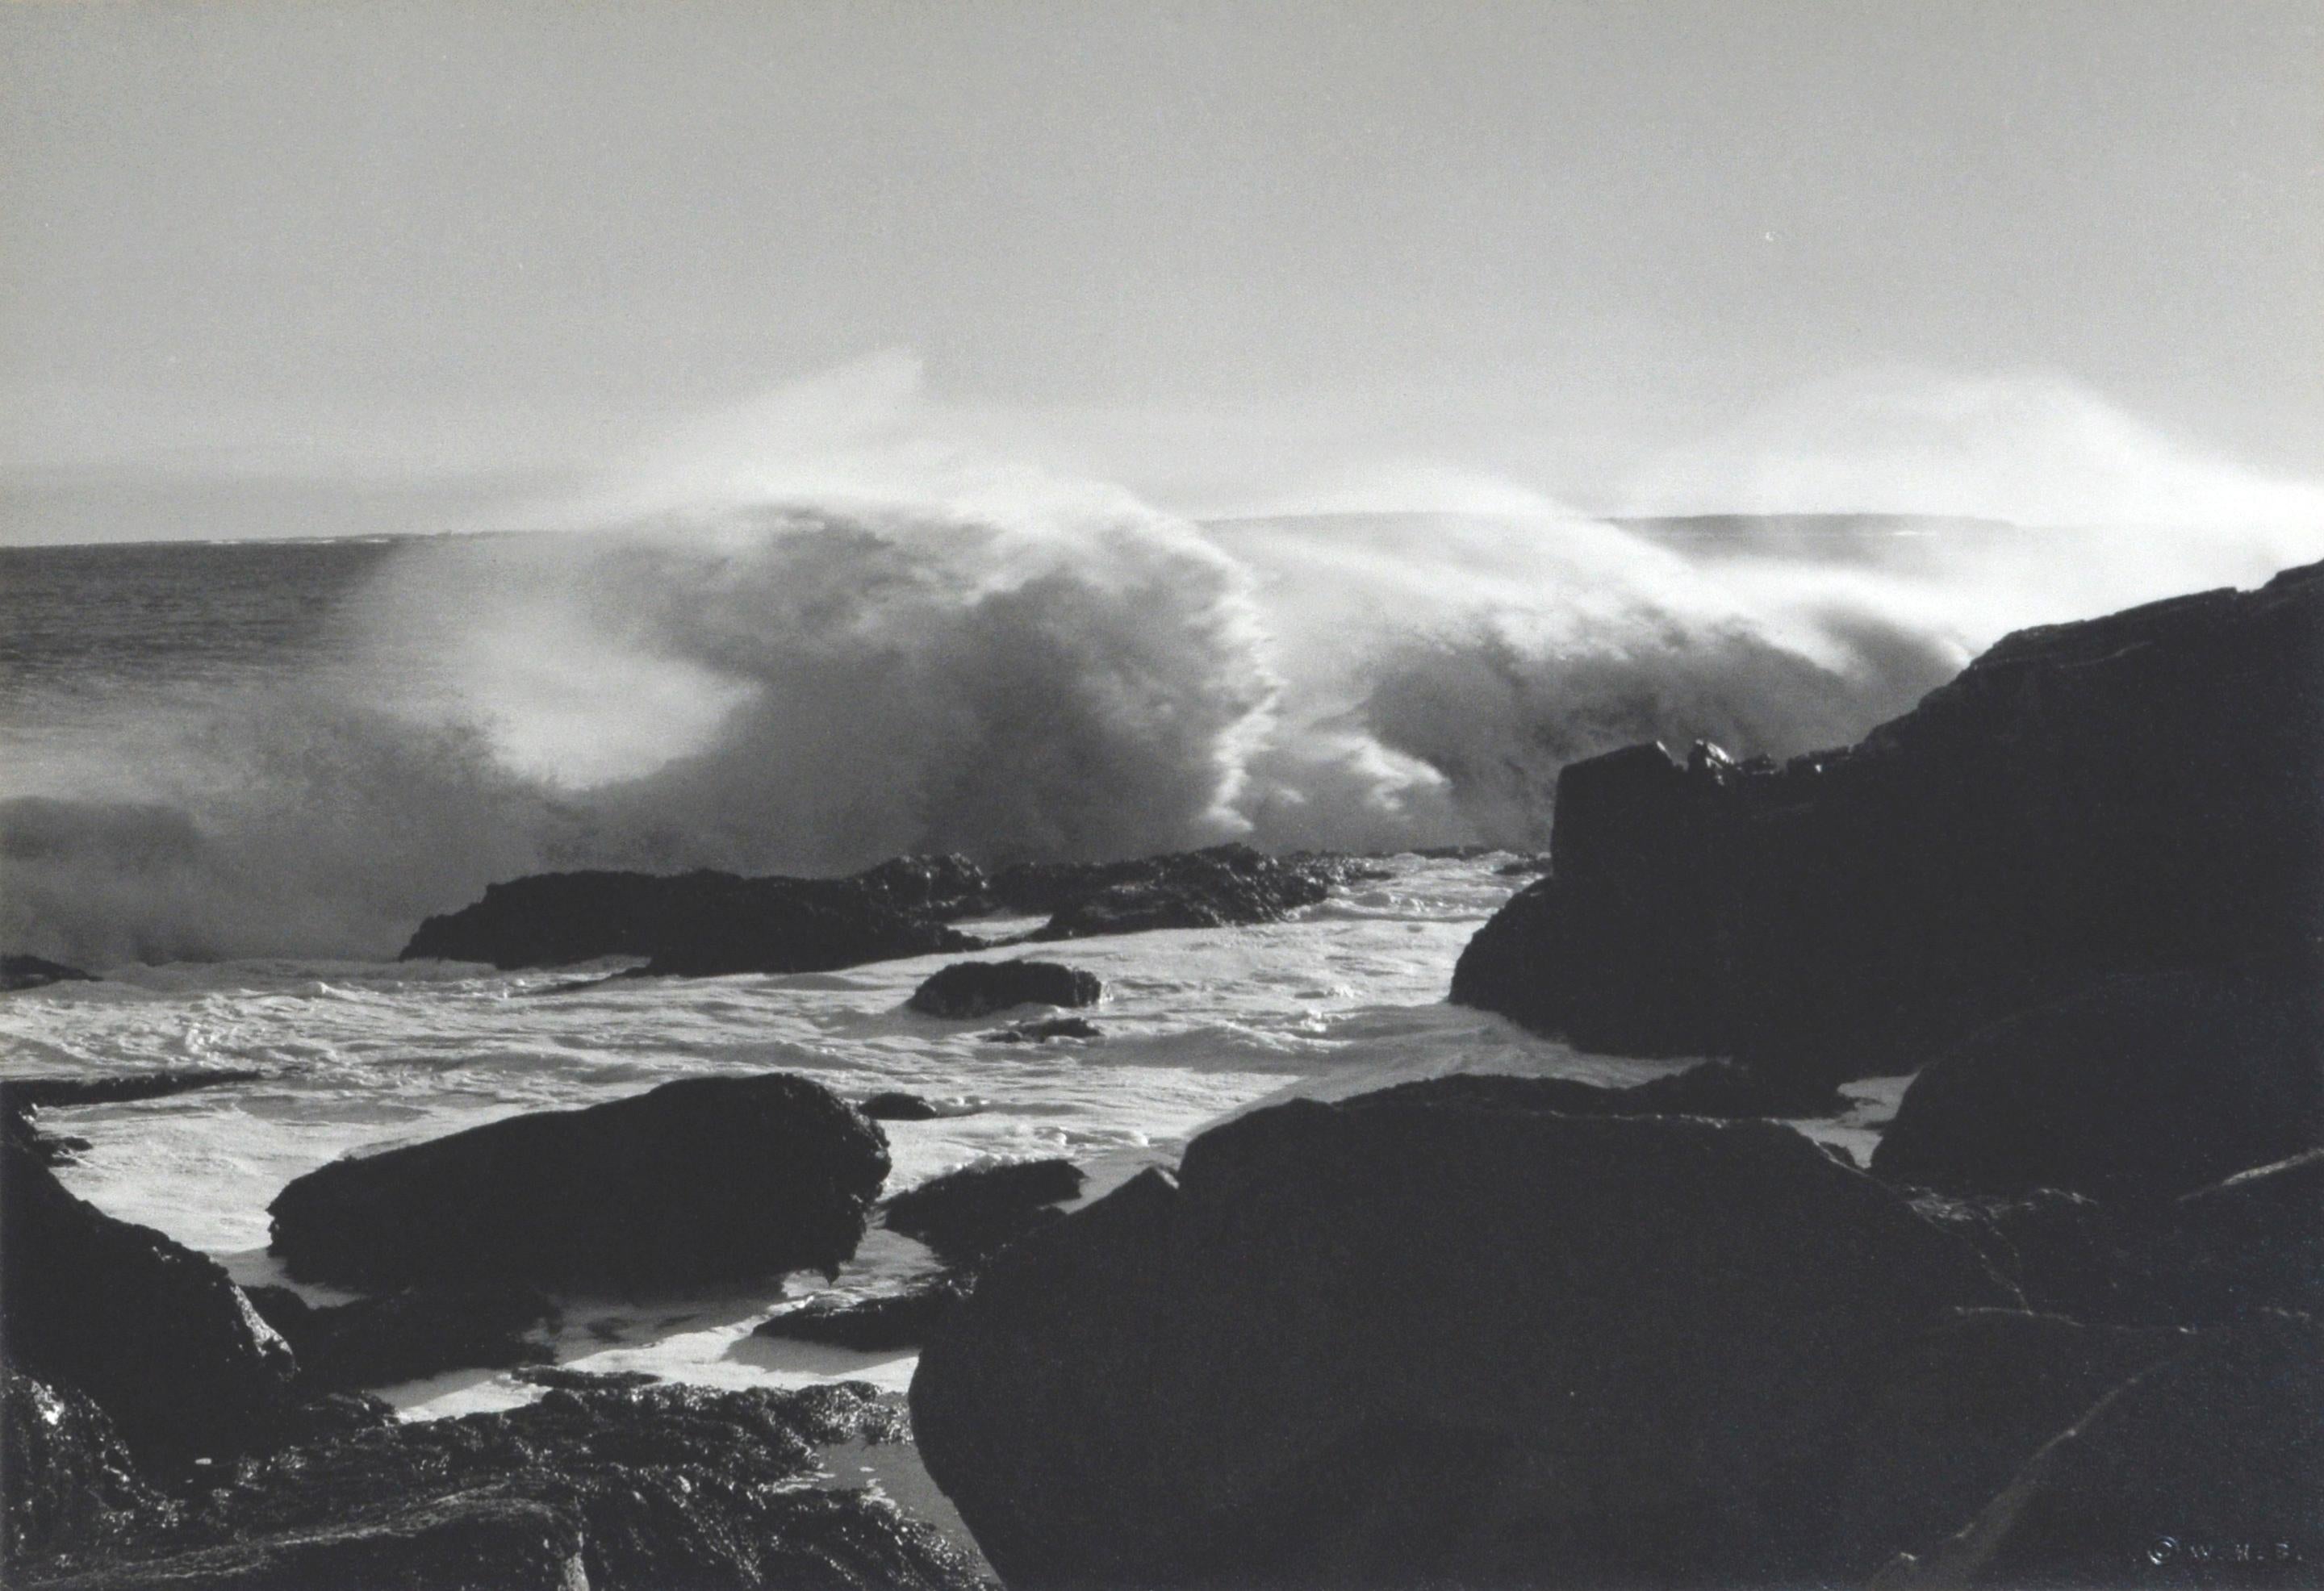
{"x":1471,"y":1332}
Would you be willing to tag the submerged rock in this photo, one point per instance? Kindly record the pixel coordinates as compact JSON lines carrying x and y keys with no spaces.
{"x":979,"y":989}
{"x":708,"y":923}
{"x":405,"y":1335}
{"x":2136,"y":1089}
{"x":21,"y":972}
{"x":617,"y":1490}
{"x":898,"y":1107}
{"x":967,"y":1214}
{"x":703,"y":1180}
{"x":1387,"y":1342}
{"x":1041,"y":1033}
{"x":156,"y":1334}
{"x":1223,"y":886}
{"x":2143,"y":791}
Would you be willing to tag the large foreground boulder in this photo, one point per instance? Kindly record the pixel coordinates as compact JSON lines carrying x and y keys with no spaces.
{"x":708,"y":923}
{"x":2136,"y":1090}
{"x":1384,"y":1342}
{"x":703,"y":1180}
{"x":2139,"y":792}
{"x":978,"y":988}
{"x":614,"y":1490}
{"x":2206,"y":1470}
{"x":156,"y":1334}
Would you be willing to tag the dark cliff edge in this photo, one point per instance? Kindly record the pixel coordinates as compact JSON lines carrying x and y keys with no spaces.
{"x":2132,"y":795}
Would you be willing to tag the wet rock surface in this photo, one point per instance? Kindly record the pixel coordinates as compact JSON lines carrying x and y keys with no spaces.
{"x":978,"y":988}
{"x":620,"y":1490}
{"x":1398,"y":1342}
{"x":702,"y":1181}
{"x":2131,"y":793}
{"x":65,"y":1471}
{"x":967,"y":1215}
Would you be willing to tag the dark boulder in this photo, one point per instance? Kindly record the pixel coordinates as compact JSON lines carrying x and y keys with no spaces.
{"x":1719,"y":1089}
{"x":155,"y":1333}
{"x":707,"y":924}
{"x":979,"y":989}
{"x":405,"y":1335}
{"x":65,"y":1477}
{"x":2253,"y":1241}
{"x":1962,"y":1408}
{"x":20,"y":971}
{"x":1041,"y":1033}
{"x":1225,"y":886}
{"x":566,"y":1378}
{"x":967,"y":1214}
{"x":1386,"y":1342}
{"x":2137,"y":1088}
{"x":2205,"y":1470}
{"x":884,"y":1322}
{"x":2139,"y":792}
{"x":898,"y":1107}
{"x":617,"y":1490}
{"x":703,"y":1180}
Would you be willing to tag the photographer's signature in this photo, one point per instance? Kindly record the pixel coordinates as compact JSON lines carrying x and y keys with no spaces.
{"x":2166,"y":1550}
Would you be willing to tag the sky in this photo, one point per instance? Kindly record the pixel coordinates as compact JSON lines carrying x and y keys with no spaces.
{"x":320,"y":269}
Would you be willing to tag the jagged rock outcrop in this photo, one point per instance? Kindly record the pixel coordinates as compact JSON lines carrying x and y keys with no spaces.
{"x":978,"y":988}
{"x":708,"y":923}
{"x":1387,"y":1342}
{"x":701,"y":1180}
{"x":966,"y":1214}
{"x":64,"y":1473}
{"x":2131,"y":794}
{"x":2135,"y":1089}
{"x":613,"y":1489}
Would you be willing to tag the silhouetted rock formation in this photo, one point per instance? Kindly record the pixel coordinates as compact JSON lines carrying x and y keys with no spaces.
{"x":617,"y":1490}
{"x":705,"y":1179}
{"x":19,"y":971}
{"x":967,"y":1214}
{"x":2136,"y":1089}
{"x":405,"y":1335}
{"x":156,"y":1334}
{"x":707,"y":924}
{"x":2203,"y":1471}
{"x":979,"y":989}
{"x":2134,"y":793}
{"x":879,"y":1324}
{"x":1384,"y":1342}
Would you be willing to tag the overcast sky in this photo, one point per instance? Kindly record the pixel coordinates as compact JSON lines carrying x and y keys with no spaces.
{"x":291,"y":270}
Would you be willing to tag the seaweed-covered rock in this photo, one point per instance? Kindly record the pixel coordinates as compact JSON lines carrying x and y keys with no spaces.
{"x":702,"y":1181}
{"x":2136,"y":1089}
{"x":618,"y":1490}
{"x":155,"y":1333}
{"x":405,"y":1335}
{"x":1383,"y":1342}
{"x":978,"y":988}
{"x":2143,"y":791}
{"x":709,"y":923}
{"x":967,"y":1214}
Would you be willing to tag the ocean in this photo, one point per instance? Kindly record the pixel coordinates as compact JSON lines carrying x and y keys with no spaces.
{"x":238,"y":775}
